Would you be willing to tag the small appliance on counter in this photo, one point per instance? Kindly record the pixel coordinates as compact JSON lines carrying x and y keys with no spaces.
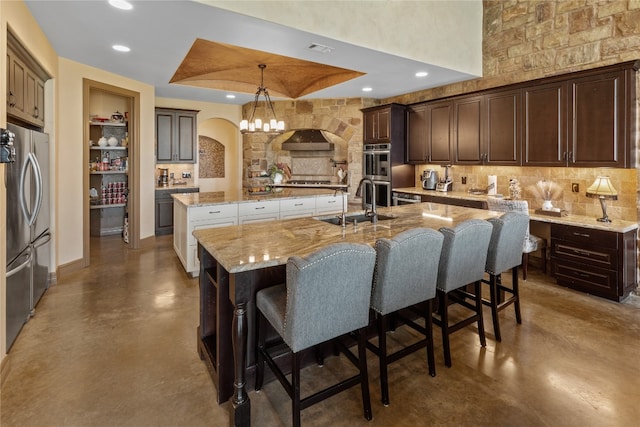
{"x":163,"y":178}
{"x":429,"y":179}
{"x":445,"y":184}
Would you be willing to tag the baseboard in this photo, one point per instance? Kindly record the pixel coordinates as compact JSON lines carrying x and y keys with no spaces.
{"x":147,"y":242}
{"x":69,"y":267}
{"x":5,"y":366}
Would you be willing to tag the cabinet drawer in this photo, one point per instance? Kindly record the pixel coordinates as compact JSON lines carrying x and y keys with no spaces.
{"x":305,"y":203}
{"x":593,"y":280}
{"x":600,"y":257}
{"x":259,"y":208}
{"x":329,"y":203}
{"x":585,"y":237}
{"x":212,"y":212}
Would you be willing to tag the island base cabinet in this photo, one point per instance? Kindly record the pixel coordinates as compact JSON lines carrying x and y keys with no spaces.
{"x":598,"y":262}
{"x":188,"y":220}
{"x":214,"y":331}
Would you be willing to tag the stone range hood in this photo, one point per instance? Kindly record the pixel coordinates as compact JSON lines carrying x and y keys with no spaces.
{"x":307,"y":140}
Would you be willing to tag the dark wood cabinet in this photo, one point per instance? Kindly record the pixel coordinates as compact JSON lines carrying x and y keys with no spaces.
{"x":598,"y":262}
{"x":545,"y":124}
{"x":176,"y":136}
{"x":384,"y":124}
{"x":164,"y":209}
{"x":417,"y":129}
{"x":503,"y":121}
{"x":25,"y":85}
{"x":488,"y":128}
{"x":429,"y":133}
{"x":582,"y":119}
{"x":599,"y":109}
{"x":468,"y":130}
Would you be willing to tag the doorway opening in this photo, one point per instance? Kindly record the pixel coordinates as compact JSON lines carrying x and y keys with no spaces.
{"x":111,"y":181}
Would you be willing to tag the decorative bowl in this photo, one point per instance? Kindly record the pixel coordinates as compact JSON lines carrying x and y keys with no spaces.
{"x":113,"y":141}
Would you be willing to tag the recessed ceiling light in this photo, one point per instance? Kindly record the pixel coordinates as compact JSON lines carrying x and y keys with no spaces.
{"x":422,"y":74}
{"x":231,"y":96}
{"x":121,"y":4}
{"x":367,"y":89}
{"x":120,"y":48}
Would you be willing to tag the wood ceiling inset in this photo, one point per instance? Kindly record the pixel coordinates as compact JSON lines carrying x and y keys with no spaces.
{"x":232,"y":68}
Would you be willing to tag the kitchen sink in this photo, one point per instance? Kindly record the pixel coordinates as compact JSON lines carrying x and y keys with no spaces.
{"x":359,"y":217}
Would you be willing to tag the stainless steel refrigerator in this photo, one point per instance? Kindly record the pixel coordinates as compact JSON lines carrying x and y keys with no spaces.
{"x":28,"y":233}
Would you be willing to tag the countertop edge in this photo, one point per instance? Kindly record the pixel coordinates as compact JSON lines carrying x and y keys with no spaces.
{"x":617,"y":225}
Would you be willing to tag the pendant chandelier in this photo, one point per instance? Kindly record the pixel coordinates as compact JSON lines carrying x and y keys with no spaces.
{"x":257,"y":125}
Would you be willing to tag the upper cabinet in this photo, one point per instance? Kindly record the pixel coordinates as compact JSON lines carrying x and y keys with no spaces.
{"x":585,"y":121}
{"x":582,"y":119}
{"x":468,"y":128}
{"x":487,"y":128}
{"x":176,"y":136}
{"x":384,"y":124}
{"x":545,"y":124}
{"x":601,"y":110}
{"x":25,"y":85}
{"x":429,"y":130}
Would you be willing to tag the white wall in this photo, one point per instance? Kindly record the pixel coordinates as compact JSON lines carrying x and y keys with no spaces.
{"x":414,"y":29}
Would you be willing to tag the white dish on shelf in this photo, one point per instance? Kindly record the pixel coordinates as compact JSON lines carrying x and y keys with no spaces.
{"x":102,"y":142}
{"x":113,"y":141}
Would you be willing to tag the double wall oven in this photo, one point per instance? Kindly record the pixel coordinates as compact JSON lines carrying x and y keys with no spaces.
{"x":377,"y":164}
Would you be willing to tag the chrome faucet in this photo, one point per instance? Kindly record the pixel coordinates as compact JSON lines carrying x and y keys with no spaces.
{"x":373,"y":214}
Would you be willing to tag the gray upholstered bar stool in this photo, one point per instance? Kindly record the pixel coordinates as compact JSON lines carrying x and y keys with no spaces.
{"x":531,"y":243}
{"x":406,"y":274}
{"x":462,"y":262}
{"x":326,"y":295}
{"x":509,"y":232}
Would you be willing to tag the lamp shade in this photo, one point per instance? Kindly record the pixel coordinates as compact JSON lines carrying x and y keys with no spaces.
{"x":602,"y":188}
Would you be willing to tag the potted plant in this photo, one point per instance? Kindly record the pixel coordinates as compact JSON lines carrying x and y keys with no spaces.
{"x":278,"y":171}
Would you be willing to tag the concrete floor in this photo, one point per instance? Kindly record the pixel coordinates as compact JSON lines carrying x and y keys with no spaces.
{"x":115,"y":345}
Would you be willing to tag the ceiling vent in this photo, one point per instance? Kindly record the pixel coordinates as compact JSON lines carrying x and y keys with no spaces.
{"x":320,"y":48}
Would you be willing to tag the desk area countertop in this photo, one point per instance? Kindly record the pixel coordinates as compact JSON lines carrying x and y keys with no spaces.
{"x":617,"y":225}
{"x":256,"y":246}
{"x":224,"y":197}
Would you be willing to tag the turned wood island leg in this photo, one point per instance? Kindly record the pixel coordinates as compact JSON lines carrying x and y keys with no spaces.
{"x":241,"y":414}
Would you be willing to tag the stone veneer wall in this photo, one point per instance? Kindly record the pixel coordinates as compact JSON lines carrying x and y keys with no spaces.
{"x":341,"y":118}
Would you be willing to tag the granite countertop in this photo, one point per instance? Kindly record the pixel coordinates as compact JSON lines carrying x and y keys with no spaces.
{"x":254,"y":246}
{"x":176,"y":187}
{"x":224,"y":197}
{"x":618,"y":226}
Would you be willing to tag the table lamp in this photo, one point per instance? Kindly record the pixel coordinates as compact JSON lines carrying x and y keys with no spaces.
{"x":603,"y":189}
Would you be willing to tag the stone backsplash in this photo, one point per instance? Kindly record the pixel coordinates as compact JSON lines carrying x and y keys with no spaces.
{"x":623,"y":180}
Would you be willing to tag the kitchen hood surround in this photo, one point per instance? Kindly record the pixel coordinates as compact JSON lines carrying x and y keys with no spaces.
{"x":307,"y":140}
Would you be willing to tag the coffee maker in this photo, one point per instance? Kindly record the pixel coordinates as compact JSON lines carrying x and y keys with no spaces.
{"x":445,"y":184}
{"x":163,"y":177}
{"x":429,"y":179}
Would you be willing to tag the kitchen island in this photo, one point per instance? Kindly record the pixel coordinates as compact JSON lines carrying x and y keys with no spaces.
{"x":196,"y":211}
{"x":238,"y":261}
